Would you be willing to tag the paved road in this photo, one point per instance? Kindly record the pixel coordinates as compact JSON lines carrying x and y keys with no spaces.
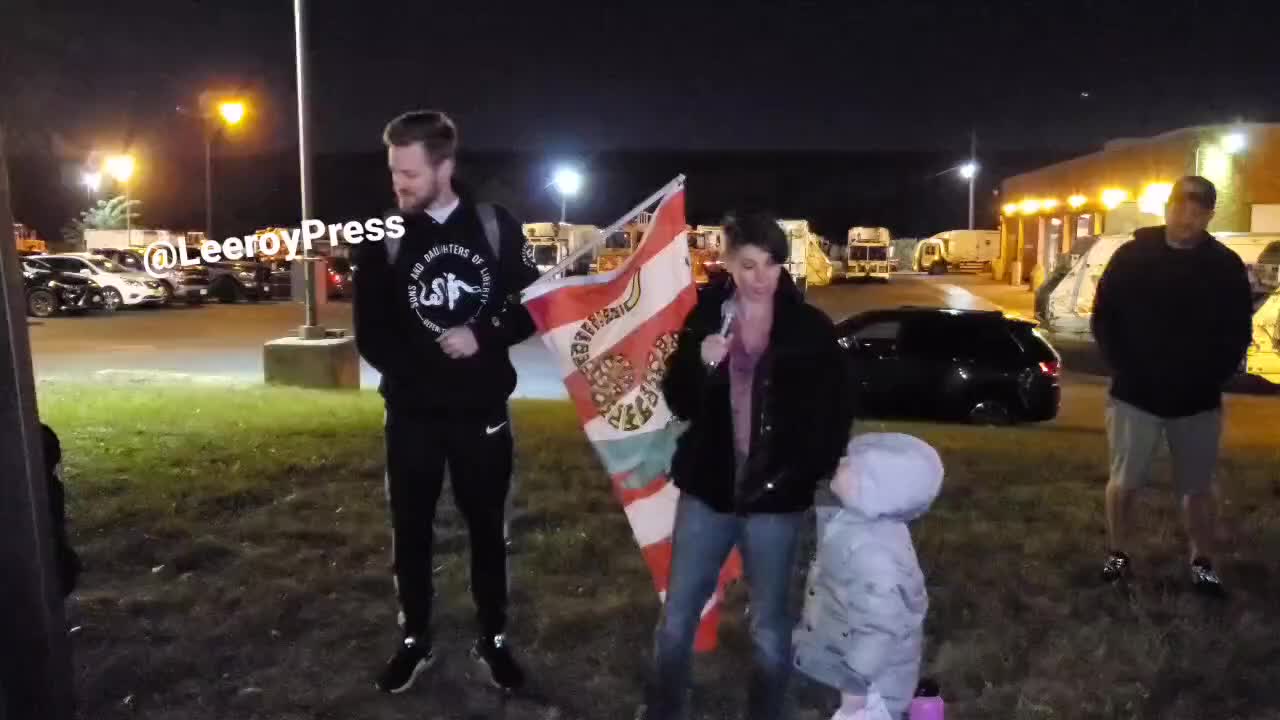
{"x":226,"y":340}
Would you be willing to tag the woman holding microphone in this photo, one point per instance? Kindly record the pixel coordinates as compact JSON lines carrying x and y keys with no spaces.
{"x":759,"y":376}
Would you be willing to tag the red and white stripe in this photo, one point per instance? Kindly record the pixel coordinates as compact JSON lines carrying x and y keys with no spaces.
{"x":662,"y":265}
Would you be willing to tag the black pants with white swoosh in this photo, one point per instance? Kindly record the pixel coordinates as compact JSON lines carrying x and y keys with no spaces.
{"x":477,"y":451}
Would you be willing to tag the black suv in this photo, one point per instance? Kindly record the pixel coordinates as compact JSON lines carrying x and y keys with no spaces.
{"x":49,"y":292}
{"x":980,"y":367}
{"x":232,"y":281}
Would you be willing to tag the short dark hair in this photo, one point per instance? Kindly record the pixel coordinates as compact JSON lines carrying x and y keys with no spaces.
{"x":434,"y":129}
{"x":1197,"y":188}
{"x":756,"y":229}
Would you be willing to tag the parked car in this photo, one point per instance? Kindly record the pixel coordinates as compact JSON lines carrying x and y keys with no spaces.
{"x":281,"y":279}
{"x":235,"y":280}
{"x":49,"y":292}
{"x":975,"y":366}
{"x":338,"y":280}
{"x":120,"y":287}
{"x":190,"y":284}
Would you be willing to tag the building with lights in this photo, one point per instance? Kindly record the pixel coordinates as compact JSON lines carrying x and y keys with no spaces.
{"x":1125,"y":185}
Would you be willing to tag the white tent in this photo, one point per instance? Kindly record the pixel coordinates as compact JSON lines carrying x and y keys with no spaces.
{"x":1070,"y":305}
{"x":1264,"y":353}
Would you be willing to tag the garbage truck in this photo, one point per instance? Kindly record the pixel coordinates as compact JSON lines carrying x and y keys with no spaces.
{"x":806,"y":262}
{"x":550,"y":243}
{"x":960,"y":250}
{"x":870,"y":251}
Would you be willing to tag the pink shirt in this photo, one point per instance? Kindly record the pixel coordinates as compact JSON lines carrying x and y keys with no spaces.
{"x":742,"y":371}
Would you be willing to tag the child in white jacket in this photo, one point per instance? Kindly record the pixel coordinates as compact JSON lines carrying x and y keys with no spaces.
{"x":865,"y":603}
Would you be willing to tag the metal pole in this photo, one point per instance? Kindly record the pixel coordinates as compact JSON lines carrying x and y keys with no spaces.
{"x":311,"y":328}
{"x":128,"y":215}
{"x":564,"y":200}
{"x":35,"y":663}
{"x":973,"y":159}
{"x":208,"y":184}
{"x":970,"y":203}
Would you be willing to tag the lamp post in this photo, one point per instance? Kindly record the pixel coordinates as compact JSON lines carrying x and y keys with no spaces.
{"x":311,"y":329}
{"x":968,"y":171}
{"x":230,"y":113}
{"x":121,"y":167}
{"x":567,"y":182}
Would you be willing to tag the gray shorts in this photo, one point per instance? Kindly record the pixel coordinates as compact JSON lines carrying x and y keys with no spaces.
{"x":1134,"y":436}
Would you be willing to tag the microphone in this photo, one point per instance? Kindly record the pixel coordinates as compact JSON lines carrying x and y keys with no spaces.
{"x":727,"y":311}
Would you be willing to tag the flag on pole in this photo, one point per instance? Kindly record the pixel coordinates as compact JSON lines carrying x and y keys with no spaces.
{"x":611,"y":335}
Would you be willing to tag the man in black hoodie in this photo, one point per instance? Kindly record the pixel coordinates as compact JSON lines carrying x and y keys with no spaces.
{"x":435,"y":313}
{"x":1173,"y":317}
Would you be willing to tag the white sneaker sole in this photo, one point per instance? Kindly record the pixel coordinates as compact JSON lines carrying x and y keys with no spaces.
{"x":422,"y":666}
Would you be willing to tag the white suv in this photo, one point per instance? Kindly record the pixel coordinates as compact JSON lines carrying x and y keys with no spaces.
{"x":119,"y":285}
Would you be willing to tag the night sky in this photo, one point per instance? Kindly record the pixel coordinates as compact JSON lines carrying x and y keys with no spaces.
{"x":566,"y":79}
{"x":680,"y":75}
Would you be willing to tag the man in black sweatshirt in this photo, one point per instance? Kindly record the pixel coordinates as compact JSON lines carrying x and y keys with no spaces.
{"x":435,"y":313}
{"x":1173,"y":317}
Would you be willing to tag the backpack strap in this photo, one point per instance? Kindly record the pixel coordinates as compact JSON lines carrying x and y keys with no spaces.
{"x":391,"y":244}
{"x":489,"y":218}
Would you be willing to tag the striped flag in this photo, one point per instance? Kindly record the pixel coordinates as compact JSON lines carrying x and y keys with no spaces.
{"x":612,"y":334}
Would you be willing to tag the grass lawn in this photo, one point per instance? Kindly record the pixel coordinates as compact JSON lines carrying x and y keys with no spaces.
{"x":237,"y":566}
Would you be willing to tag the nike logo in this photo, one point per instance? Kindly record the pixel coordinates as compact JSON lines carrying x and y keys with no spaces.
{"x":489,"y":430}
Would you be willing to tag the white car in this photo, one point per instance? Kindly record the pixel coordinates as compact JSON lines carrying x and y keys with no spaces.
{"x":119,"y":286}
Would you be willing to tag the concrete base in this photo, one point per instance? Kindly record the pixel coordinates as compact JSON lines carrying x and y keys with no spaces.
{"x":328,"y":363}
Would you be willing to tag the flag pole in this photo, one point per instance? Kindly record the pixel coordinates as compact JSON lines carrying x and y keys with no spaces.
{"x":588,"y":247}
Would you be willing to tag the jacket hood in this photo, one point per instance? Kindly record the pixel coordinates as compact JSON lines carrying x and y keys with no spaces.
{"x":888,"y":476}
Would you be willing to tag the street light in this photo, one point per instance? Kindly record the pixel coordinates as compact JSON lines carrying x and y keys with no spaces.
{"x":567,"y":182}
{"x":230,"y":112}
{"x":969,"y":171}
{"x":121,"y":168}
{"x":91,"y":181}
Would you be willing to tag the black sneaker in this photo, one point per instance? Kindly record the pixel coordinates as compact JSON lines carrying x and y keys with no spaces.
{"x":411,"y":660}
{"x":1205,"y":579}
{"x":1116,"y":567}
{"x":494,"y":652}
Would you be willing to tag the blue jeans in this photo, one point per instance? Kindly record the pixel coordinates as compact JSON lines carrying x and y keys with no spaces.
{"x":701,"y":543}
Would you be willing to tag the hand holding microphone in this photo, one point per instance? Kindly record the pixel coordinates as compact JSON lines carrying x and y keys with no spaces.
{"x":716,"y":347}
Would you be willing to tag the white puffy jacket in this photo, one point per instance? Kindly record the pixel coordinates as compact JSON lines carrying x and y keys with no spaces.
{"x":865,"y":601}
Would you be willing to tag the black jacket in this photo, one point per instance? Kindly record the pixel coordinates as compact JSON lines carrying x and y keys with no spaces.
{"x":1173,"y":324}
{"x":801,"y":410}
{"x":444,"y":275}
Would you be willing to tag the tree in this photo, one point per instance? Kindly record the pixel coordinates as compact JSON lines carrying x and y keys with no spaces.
{"x":113,"y":214}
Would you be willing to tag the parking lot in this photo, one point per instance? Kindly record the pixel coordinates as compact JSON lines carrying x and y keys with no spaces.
{"x":224,"y":342}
